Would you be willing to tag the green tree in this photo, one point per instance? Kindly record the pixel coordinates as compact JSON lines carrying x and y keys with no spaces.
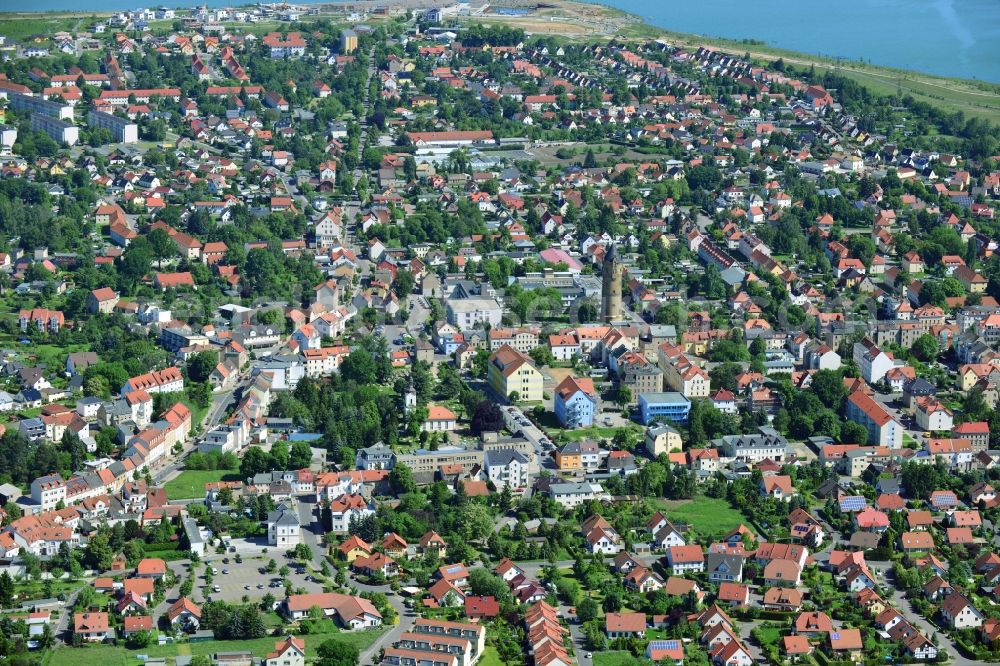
{"x":300,"y":456}
{"x":255,"y":461}
{"x":161,"y":244}
{"x":485,"y":583}
{"x":828,"y":386}
{"x":98,"y":553}
{"x":724,"y":375}
{"x":359,"y":366}
{"x":402,"y":286}
{"x":47,"y":639}
{"x":622,"y":396}
{"x":925,"y":347}
{"x":138,"y":640}
{"x":401,"y":480}
{"x":201,"y":365}
{"x":6,"y":590}
{"x":587,"y":610}
{"x":919,"y":480}
{"x":853,"y":433}
{"x":337,"y":653}
{"x":542,"y":355}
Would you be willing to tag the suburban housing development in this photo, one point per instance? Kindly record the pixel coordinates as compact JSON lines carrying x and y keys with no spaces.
{"x":409,"y":335}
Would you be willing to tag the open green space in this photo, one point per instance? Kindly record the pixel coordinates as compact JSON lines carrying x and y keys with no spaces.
{"x":20,"y":28}
{"x":197,"y":412}
{"x":594,"y":432}
{"x":769,"y":634}
{"x":597,"y":432}
{"x":108,"y":655}
{"x":973,"y":103}
{"x":491,"y":658}
{"x":35,"y":589}
{"x":618,"y":658}
{"x":52,"y":356}
{"x":190,"y":484}
{"x":706,"y":515}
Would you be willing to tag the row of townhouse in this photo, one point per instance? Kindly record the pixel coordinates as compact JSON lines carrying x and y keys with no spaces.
{"x":143,"y":450}
{"x":433,"y":642}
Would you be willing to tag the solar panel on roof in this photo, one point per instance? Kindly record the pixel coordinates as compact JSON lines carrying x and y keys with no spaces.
{"x":853,"y":503}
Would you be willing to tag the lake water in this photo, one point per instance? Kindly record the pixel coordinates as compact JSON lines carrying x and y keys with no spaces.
{"x":947,"y":37}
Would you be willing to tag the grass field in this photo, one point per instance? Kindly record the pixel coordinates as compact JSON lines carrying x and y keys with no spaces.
{"x":491,"y":658}
{"x":35,"y":589}
{"x":947,"y":96}
{"x":19,"y":27}
{"x":52,"y":356}
{"x":107,"y":655}
{"x":770,"y":634}
{"x":618,"y":658}
{"x":596,"y":433}
{"x":190,"y":484}
{"x":705,"y":515}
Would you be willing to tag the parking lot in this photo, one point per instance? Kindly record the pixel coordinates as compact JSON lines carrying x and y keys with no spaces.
{"x":234,"y":580}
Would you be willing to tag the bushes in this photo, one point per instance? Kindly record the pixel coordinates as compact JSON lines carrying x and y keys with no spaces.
{"x":211,"y":461}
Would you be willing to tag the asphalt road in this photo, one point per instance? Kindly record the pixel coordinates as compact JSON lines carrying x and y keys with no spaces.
{"x":312,"y":531}
{"x":216,"y":412}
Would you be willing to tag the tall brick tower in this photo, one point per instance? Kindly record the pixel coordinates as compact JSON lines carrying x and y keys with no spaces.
{"x":611,"y":286}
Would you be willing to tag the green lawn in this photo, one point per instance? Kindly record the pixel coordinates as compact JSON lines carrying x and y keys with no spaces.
{"x":706,"y":515}
{"x":53,"y":356}
{"x":491,"y":658}
{"x":197,"y":414}
{"x":769,"y":634}
{"x":19,"y":28}
{"x":36,"y":589}
{"x":596,"y":433}
{"x":618,"y":658}
{"x":190,"y":484}
{"x":107,"y":655}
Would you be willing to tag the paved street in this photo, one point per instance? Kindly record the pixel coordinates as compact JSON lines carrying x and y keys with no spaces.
{"x":170,"y":467}
{"x":312,"y":531}
{"x":407,"y":618}
{"x":902,"y":604}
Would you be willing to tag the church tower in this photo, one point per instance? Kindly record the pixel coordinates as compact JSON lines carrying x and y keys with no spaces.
{"x":409,"y":399}
{"x":611,"y":286}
